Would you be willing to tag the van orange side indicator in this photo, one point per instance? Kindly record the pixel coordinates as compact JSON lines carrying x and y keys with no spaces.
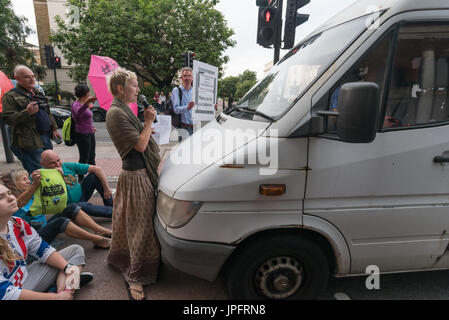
{"x":272,"y":189}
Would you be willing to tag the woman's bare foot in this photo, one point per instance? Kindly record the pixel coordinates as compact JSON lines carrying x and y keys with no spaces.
{"x":135,"y":291}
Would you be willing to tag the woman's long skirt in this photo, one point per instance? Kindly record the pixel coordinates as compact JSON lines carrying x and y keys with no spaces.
{"x":134,"y":248}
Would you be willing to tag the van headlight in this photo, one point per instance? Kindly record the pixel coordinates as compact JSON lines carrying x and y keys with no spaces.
{"x":176,"y":213}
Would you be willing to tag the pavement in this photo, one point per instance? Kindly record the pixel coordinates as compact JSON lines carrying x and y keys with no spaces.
{"x":108,"y":283}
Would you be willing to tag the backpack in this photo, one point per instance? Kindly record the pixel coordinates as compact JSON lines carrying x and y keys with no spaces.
{"x":68,"y":132}
{"x":51,"y":197}
{"x":175,"y":118}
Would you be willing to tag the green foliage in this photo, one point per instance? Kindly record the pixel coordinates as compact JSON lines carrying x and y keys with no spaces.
{"x":144,"y":36}
{"x":50,"y":91}
{"x":243,"y":88}
{"x":227,"y":86}
{"x":248,"y":76}
{"x":238,"y":86}
{"x":12,"y":40}
{"x":40,"y":72}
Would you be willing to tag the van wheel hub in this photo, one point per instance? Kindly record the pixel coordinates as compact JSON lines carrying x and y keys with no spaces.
{"x":279,"y":278}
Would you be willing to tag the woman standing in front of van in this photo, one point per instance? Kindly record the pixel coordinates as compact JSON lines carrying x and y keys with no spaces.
{"x":135,"y":249}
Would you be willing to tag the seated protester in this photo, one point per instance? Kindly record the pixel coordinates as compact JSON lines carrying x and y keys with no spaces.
{"x":81,"y":193}
{"x":18,"y":240}
{"x":67,"y":221}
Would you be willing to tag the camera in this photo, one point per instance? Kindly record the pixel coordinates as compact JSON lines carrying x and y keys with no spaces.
{"x":57,"y":140}
{"x":42,"y":102}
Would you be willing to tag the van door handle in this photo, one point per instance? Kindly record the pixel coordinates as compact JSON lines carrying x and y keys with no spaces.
{"x":441,"y":159}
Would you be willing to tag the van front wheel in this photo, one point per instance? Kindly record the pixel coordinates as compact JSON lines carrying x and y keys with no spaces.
{"x":283,"y":267}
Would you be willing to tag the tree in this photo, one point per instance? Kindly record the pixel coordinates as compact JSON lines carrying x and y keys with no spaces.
{"x":227,"y":86}
{"x":50,"y":91}
{"x":248,"y":75}
{"x":40,"y":72}
{"x":144,"y":36}
{"x":12,"y":39}
{"x":243,"y":88}
{"x":238,"y":86}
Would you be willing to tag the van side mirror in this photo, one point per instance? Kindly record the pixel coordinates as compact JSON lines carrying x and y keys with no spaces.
{"x":358,"y":107}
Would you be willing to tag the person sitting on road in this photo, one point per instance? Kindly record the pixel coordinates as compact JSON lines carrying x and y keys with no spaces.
{"x":19,"y":183}
{"x":80,"y":193}
{"x":18,"y":240}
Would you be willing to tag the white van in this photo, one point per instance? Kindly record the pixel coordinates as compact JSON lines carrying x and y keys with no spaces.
{"x":358,"y":113}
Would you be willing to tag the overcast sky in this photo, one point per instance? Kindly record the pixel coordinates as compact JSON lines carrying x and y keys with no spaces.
{"x":242,"y":18}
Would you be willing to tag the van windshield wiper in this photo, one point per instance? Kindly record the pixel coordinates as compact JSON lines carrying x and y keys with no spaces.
{"x":257,"y":113}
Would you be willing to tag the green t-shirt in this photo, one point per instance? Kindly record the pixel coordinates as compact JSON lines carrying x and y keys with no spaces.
{"x":70,"y":171}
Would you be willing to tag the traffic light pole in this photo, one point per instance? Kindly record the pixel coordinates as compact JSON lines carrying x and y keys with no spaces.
{"x":6,"y":142}
{"x":277,"y":45}
{"x":56,"y":85}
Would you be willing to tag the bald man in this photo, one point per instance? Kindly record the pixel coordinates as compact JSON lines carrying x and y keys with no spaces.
{"x":80,"y":193}
{"x":32,"y":127}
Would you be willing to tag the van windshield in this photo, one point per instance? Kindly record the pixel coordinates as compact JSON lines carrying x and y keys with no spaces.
{"x":272,"y":96}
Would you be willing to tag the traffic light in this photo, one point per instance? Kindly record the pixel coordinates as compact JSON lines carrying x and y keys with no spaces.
{"x":49,"y":56}
{"x":184,"y":59}
{"x":292,"y":20}
{"x":191,"y":57}
{"x":57,"y":64}
{"x":187,"y":59}
{"x":269,"y":18}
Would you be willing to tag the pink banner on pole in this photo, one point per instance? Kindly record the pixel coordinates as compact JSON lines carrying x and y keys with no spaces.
{"x":5,"y":86}
{"x":100,"y":67}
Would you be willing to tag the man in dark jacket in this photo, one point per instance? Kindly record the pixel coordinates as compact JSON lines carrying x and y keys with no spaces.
{"x":32,"y":126}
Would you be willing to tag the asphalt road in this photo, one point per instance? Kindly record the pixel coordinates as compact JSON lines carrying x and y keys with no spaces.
{"x":101,"y":135}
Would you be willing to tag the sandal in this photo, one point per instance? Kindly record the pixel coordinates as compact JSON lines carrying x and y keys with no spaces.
{"x":104,"y":243}
{"x":129,"y":289}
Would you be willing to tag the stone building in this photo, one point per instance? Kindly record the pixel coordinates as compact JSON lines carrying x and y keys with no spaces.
{"x":45,"y":11}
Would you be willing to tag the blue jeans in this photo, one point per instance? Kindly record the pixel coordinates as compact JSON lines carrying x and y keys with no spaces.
{"x":58,"y":223}
{"x":95,"y":210}
{"x":47,"y":142}
{"x":89,"y":185}
{"x":30,"y":158}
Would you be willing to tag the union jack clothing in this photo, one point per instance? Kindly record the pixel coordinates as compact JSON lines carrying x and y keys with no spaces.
{"x":24,"y":241}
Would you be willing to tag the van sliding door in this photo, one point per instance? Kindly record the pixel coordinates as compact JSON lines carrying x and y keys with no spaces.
{"x":390,"y":198}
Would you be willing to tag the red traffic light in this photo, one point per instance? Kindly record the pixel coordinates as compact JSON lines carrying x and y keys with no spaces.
{"x":267,"y":26}
{"x":267,"y":16}
{"x":57,"y":63}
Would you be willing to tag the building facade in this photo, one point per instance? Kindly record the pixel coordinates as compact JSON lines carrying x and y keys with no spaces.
{"x":46,"y":11}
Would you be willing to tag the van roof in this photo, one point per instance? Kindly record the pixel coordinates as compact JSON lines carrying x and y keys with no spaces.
{"x":393,"y":7}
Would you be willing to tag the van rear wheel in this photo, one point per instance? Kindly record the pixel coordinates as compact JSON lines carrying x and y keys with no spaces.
{"x":283,"y":267}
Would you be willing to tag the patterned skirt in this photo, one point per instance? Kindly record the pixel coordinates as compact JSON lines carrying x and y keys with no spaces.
{"x":134,"y":248}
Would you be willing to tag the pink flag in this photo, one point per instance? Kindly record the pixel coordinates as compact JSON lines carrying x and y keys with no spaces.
{"x":5,"y":86}
{"x":99,"y":69}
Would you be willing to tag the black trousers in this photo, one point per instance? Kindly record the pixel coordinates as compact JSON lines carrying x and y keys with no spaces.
{"x":86,"y":147}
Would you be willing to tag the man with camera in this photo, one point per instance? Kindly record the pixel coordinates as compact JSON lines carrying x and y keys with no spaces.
{"x":28,"y":113}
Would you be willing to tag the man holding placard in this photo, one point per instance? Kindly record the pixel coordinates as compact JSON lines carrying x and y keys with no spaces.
{"x":182,"y":102}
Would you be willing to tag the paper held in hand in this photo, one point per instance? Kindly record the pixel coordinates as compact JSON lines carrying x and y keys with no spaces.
{"x":162,"y":129}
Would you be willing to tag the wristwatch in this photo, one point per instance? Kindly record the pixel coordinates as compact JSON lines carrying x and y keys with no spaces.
{"x":68,"y":265}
